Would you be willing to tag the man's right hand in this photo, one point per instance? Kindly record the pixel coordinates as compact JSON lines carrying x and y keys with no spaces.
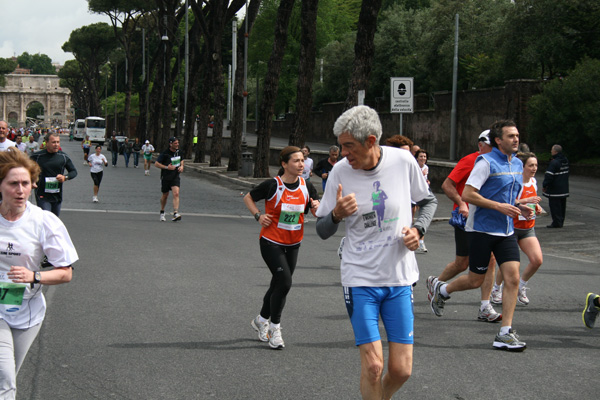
{"x":345,"y":205}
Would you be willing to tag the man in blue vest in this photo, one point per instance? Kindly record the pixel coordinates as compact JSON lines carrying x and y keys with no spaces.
{"x":491,"y":192}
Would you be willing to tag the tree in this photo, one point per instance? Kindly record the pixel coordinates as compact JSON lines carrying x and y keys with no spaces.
{"x":308,"y":51}
{"x":39,"y":64}
{"x":261,"y":166}
{"x":127,"y":14}
{"x":6,"y":67}
{"x":238,"y":89}
{"x":91,"y":46}
{"x":71,"y":78}
{"x":363,"y":51}
{"x":568,"y":111}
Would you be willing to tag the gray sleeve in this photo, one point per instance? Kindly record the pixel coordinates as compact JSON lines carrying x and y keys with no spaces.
{"x":427,"y":208}
{"x":326,"y":227}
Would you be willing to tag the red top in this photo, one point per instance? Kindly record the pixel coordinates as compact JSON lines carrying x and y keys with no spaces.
{"x":461,"y":172}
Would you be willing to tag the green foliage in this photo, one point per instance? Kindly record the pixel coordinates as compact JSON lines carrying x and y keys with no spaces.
{"x":6,"y":67}
{"x":568,"y":111}
{"x":39,"y":64}
{"x":108,"y":104}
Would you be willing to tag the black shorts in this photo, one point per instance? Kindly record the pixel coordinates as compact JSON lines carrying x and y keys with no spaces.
{"x":482,"y":245}
{"x":86,"y":151}
{"x":461,"y":242}
{"x":167,"y":184}
{"x":96,"y":177}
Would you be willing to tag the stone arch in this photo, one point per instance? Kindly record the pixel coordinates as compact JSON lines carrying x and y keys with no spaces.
{"x":22,"y":90}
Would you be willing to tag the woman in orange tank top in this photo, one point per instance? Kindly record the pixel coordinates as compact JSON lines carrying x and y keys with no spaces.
{"x":287,"y":198}
{"x":524,"y":229}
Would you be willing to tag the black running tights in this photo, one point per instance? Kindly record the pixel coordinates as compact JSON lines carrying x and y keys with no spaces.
{"x":281,"y":261}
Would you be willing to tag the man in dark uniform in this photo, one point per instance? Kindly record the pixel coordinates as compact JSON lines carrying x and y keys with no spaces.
{"x":556,"y":186}
{"x":53,"y":163}
{"x":171,"y":165}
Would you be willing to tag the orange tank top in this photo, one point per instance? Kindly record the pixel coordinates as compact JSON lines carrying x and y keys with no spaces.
{"x":529,"y":190}
{"x":287,"y":209}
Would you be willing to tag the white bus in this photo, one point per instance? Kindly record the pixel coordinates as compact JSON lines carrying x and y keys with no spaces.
{"x":95,"y":128}
{"x":79,"y":129}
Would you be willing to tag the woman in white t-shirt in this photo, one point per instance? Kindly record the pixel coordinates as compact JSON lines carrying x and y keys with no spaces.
{"x":26,"y":234}
{"x":97,"y":162}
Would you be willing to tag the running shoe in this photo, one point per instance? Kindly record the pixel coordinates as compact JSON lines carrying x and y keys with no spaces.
{"x":95,"y":199}
{"x":510,"y":342}
{"x":590,"y":312}
{"x":261,"y":328}
{"x":430,"y":285}
{"x":438,"y":300}
{"x":176,"y":217}
{"x":522,"y":296}
{"x":162,"y":217}
{"x":496,"y":297}
{"x":488,"y":314}
{"x":421,"y":249}
{"x":275,"y":339}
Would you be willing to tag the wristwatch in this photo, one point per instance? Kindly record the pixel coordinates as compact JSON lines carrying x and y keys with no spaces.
{"x":257,"y":216}
{"x":37,"y":277}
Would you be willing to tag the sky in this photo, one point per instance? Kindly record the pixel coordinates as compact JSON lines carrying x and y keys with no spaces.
{"x":42,"y":26}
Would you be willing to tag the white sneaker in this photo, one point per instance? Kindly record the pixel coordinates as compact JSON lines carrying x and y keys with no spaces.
{"x":162,"y":217}
{"x":522,"y":296}
{"x":262,"y":328}
{"x":85,"y":163}
{"x":95,"y":199}
{"x":176,"y":217}
{"x":275,"y":339}
{"x":496,"y":297}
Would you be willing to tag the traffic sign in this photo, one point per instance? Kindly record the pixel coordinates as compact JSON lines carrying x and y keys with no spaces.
{"x":401,"y":95}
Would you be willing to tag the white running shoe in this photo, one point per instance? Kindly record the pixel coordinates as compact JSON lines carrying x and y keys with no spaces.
{"x":95,"y":199}
{"x":162,"y":217}
{"x":262,"y":328}
{"x":176,"y":217}
{"x":496,"y":297}
{"x":522,"y":296}
{"x":275,"y":339}
{"x":488,"y":314}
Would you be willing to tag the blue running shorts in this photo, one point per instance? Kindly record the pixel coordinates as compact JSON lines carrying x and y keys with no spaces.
{"x":395,"y":306}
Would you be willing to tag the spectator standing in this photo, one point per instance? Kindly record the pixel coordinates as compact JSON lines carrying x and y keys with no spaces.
{"x":136,"y":147}
{"x":127,"y":149}
{"x":556,"y":186}
{"x":325,"y":166}
{"x":113,"y":147}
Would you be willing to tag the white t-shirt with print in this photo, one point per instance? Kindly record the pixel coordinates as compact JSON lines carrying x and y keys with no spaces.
{"x":147,"y":148}
{"x":374,"y":253}
{"x":97,"y":162}
{"x":24,"y":243}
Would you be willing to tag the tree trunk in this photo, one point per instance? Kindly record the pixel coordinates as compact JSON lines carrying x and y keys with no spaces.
{"x":308,"y":53}
{"x":364,"y":49}
{"x":267,"y":108}
{"x":237,"y":117}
